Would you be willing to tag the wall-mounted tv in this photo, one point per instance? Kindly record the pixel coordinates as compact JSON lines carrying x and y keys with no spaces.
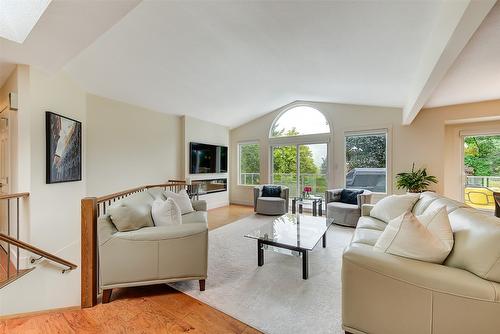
{"x":204,"y":158}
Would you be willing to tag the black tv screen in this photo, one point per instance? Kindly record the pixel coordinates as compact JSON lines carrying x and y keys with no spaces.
{"x":206,"y":158}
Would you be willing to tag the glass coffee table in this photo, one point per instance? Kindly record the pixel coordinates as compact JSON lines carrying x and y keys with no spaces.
{"x":294,"y":232}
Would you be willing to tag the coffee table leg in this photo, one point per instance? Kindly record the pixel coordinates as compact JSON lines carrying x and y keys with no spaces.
{"x":324,"y":240}
{"x":320,"y":205}
{"x":294,"y":205}
{"x":315,"y":210}
{"x":260,"y":253}
{"x":305,"y":265}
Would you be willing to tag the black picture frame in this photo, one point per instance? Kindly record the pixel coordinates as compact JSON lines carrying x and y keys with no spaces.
{"x":63,"y":148}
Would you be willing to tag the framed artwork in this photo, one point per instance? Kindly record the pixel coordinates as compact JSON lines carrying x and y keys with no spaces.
{"x":63,"y":148}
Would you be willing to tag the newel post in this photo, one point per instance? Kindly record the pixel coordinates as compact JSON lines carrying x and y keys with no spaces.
{"x":89,"y":252}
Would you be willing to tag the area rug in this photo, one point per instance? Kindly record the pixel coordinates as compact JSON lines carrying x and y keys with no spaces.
{"x":274,"y":298}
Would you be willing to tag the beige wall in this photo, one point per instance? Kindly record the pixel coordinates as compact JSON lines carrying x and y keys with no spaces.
{"x":129,"y":146}
{"x":423,"y":142}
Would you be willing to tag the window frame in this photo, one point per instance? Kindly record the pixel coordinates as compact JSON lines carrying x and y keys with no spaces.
{"x":310,"y":135}
{"x":239,"y":145}
{"x":388,"y":156}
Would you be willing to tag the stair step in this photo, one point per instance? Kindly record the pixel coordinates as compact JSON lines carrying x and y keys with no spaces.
{"x":15,"y":276}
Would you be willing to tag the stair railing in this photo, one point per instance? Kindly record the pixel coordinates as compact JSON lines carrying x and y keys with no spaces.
{"x":12,"y":240}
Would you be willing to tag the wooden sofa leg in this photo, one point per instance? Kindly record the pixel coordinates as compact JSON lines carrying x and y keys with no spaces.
{"x":106,"y":295}
{"x":202,"y":285}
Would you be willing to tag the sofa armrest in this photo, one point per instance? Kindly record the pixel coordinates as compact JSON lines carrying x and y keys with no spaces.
{"x":429,"y":276}
{"x":332,"y":195}
{"x":199,"y":205}
{"x":366,"y":209}
{"x":365,"y":198}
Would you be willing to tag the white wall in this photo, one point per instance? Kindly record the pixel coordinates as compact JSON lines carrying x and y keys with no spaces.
{"x":422,"y":142}
{"x":195,"y":130}
{"x":130,"y":146}
{"x":54,"y":209}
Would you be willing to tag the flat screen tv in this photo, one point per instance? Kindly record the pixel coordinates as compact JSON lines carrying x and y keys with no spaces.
{"x":206,"y":158}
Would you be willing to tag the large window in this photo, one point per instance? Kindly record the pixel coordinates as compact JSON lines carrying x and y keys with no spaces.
{"x":249,"y":163}
{"x":366,"y":161}
{"x":300,"y":121}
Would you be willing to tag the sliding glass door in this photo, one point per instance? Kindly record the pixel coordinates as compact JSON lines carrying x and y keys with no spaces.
{"x":299,"y":166}
{"x":481,"y":170}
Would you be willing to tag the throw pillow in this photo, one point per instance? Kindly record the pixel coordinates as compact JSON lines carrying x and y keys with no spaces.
{"x":271,"y":191}
{"x":393,"y":206}
{"x":350,"y":196}
{"x":181,"y":199}
{"x":132,"y":213}
{"x":166,"y":212}
{"x":426,"y":238}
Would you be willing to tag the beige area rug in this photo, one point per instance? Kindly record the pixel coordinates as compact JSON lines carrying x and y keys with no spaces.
{"x":273,"y":298}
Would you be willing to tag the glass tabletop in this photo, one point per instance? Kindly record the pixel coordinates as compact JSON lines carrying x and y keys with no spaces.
{"x":293,"y":230}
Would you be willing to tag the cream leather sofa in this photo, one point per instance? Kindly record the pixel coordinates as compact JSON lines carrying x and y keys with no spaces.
{"x":153,"y":255}
{"x":387,"y":294}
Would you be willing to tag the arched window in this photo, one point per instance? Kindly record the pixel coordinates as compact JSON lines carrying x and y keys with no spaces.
{"x":297,"y":121}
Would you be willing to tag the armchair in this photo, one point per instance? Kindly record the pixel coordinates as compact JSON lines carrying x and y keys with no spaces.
{"x":272,"y":206}
{"x":343,"y":213}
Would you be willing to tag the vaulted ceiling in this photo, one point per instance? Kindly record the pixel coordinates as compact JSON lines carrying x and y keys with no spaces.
{"x":230,"y":62}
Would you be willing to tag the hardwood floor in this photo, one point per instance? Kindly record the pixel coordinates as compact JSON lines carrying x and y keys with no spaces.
{"x":150,"y":309}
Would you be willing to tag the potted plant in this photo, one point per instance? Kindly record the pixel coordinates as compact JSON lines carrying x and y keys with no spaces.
{"x":415,"y":181}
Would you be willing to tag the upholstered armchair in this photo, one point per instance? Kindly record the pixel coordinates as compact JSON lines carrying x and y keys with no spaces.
{"x":345,"y":212}
{"x":272,"y":206}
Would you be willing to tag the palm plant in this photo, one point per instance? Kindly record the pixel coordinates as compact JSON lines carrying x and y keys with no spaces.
{"x":415,"y":181}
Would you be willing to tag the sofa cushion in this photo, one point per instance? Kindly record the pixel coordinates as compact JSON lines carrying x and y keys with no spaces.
{"x":451,"y":205}
{"x":132,"y":212}
{"x":371,"y":223}
{"x":165,"y":212}
{"x":426,"y":238}
{"x":157,"y":233}
{"x":195,"y":217}
{"x":426,"y":198}
{"x":271,"y":191}
{"x":350,"y":196}
{"x":366,"y":236}
{"x":393,"y":206}
{"x":477,"y":243}
{"x":181,"y":199}
{"x":157,"y":193}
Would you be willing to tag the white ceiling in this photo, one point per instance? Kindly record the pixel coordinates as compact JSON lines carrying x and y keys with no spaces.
{"x":63,"y":31}
{"x":475,"y":75}
{"x":230,"y":62}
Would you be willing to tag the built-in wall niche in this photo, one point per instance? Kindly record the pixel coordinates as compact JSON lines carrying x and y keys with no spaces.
{"x":209,"y":186}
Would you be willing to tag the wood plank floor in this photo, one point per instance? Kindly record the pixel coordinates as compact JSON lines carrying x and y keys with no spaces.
{"x":150,"y":309}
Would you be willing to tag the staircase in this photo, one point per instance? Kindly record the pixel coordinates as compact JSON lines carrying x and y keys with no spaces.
{"x":10,"y":245}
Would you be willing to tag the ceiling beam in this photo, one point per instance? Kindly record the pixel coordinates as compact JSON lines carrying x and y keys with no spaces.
{"x":456,"y":24}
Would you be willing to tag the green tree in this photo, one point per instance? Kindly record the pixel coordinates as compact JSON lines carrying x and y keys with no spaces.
{"x":482,"y":155}
{"x":366,"y":151}
{"x":285,"y":158}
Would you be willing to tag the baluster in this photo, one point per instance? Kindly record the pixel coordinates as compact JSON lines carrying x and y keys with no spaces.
{"x":17,"y":234}
{"x":8,"y":233}
{"x":104,"y":207}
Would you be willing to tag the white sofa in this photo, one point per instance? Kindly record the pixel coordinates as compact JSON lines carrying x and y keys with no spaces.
{"x":388,"y":294}
{"x":155,"y":254}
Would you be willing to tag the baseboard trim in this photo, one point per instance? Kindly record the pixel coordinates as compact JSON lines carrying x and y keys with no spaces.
{"x":35,"y":313}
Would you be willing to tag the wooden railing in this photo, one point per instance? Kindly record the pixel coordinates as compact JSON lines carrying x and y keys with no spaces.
{"x":12,"y":240}
{"x":37,"y":251}
{"x":91,"y":209}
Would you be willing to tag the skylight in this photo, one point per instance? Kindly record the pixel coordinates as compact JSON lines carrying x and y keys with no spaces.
{"x":18,"y":17}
